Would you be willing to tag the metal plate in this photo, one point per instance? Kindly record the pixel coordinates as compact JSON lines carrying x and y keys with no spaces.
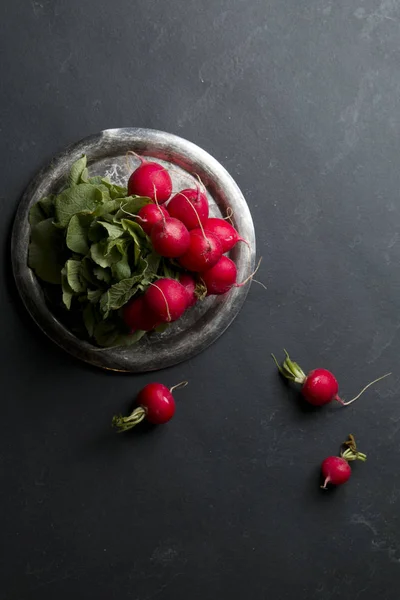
{"x":201,"y":325}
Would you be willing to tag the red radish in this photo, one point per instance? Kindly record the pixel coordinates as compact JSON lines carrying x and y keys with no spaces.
{"x":138,"y":316}
{"x":149,"y":215}
{"x":190,"y":286}
{"x":204,"y":251}
{"x":170,"y":238}
{"x":221,"y":277}
{"x":150,"y":179}
{"x":227,"y":235}
{"x":156,"y":404}
{"x":336,"y":469}
{"x":318,"y":387}
{"x":167,"y":299}
{"x":189,"y":206}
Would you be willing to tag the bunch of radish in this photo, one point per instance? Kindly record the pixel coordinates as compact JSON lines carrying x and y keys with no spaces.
{"x":179,"y":228}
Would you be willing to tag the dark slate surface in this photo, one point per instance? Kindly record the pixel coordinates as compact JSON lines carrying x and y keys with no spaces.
{"x":300,"y":101}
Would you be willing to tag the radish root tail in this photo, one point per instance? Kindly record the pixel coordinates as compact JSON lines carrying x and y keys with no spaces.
{"x":252,"y":277}
{"x":182,"y":384}
{"x":343,"y":403}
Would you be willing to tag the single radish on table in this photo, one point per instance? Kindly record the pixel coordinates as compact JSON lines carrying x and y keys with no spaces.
{"x":170,"y":238}
{"x":156,"y":404}
{"x":150,"y":179}
{"x":137,"y":315}
{"x":167,"y":299}
{"x":204,"y":251}
{"x":336,"y":469}
{"x":189,"y":206}
{"x":225,"y":232}
{"x":149,"y":215}
{"x":318,"y":387}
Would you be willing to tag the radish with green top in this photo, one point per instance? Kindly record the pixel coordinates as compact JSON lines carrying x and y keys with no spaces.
{"x":336,"y":469}
{"x":320,"y":386}
{"x":156,"y":404}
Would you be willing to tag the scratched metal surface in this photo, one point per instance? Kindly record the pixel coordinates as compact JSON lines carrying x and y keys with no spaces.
{"x":206,"y":321}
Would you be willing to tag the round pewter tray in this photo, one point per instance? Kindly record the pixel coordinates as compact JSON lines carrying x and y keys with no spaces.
{"x":106,"y":152}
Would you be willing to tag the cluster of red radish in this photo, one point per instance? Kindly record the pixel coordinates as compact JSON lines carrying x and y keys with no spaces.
{"x":320,"y":387}
{"x":179,"y":229}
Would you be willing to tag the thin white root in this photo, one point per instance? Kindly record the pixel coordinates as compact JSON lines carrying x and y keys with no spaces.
{"x":182,"y":384}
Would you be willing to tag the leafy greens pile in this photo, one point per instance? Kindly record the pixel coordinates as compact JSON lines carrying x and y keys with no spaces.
{"x":86,"y":243}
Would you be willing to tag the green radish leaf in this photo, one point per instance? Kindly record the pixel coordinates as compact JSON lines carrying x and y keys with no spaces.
{"x":94,"y":296}
{"x":76,"y":171}
{"x":67,"y":292}
{"x":82,"y":198}
{"x":102,"y":274}
{"x":116,"y":191}
{"x":77,"y":233}
{"x":101,"y":229}
{"x":45,"y":251}
{"x":130,"y":206}
{"x":136,"y":233}
{"x":75,"y":281}
{"x":121,"y":269}
{"x":96,"y":180}
{"x":41,"y":210}
{"x":84,"y":176}
{"x":107,"y":335}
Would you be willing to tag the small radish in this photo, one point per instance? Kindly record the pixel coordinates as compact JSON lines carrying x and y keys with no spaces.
{"x":336,"y":469}
{"x":318,"y":387}
{"x":190,"y":286}
{"x":227,"y":235}
{"x":138,"y":316}
{"x":167,"y":299}
{"x":149,"y":215}
{"x":221,"y":277}
{"x":204,"y":251}
{"x":189,"y":206}
{"x":170,"y":238}
{"x":156,"y":404}
{"x":150,"y":179}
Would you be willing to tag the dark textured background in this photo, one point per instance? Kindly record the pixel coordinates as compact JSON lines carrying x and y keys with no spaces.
{"x":300,"y":101}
